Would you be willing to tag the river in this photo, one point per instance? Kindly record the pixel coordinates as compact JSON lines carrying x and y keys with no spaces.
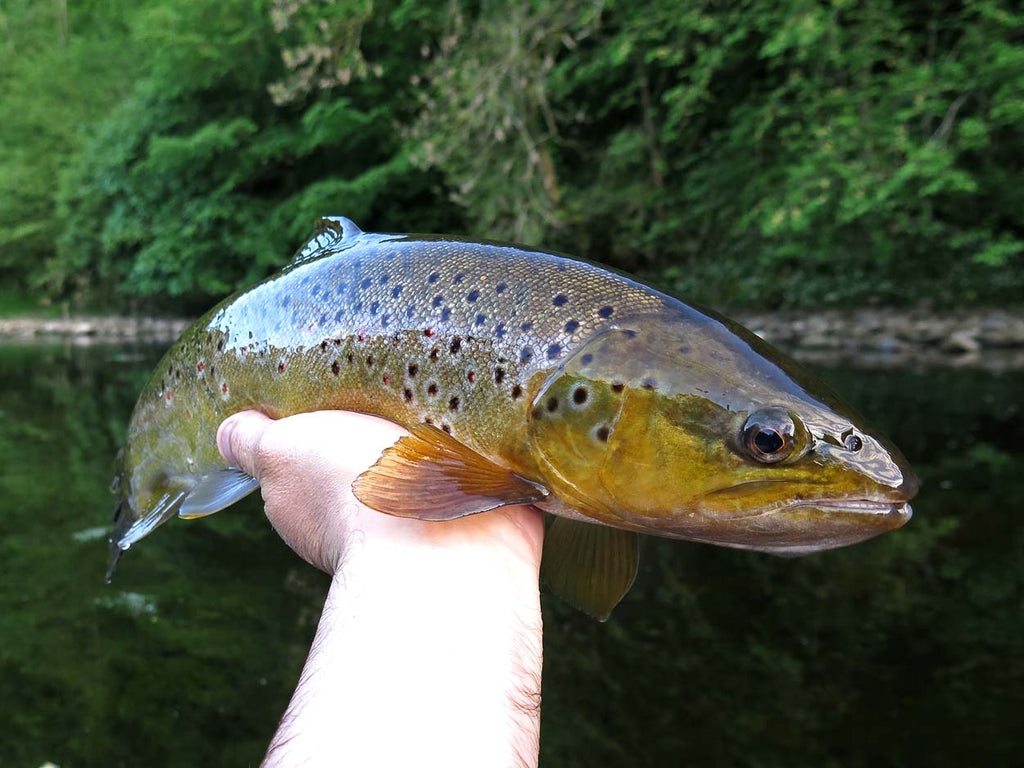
{"x":904,"y":651}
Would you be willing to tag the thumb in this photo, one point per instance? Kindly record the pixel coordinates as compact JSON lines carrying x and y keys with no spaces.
{"x":239,"y":438}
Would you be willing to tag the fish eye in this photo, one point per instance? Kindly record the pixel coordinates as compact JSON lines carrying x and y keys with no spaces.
{"x":769,"y":435}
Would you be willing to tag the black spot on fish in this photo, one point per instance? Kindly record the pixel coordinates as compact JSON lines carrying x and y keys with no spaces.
{"x":499,"y":375}
{"x":605,"y":312}
{"x":526,"y":326}
{"x":458,"y":278}
{"x":432,"y":389}
{"x":629,"y":334}
{"x":554,"y":350}
{"x":413,"y":369}
{"x":434,"y":354}
{"x":517,"y":392}
{"x":339,"y":314}
{"x":500,"y":288}
{"x":323,"y":320}
{"x":453,"y":404}
{"x":407,"y":394}
{"x":579,"y":395}
{"x":438,"y":300}
{"x":374,"y":307}
{"x":445,"y":313}
{"x":396,"y":291}
{"x":685,"y":349}
{"x":602,"y":434}
{"x":456,"y":345}
{"x":427,"y":420}
{"x":560,"y":300}
{"x":350,"y":358}
{"x":526,"y":355}
{"x":552,"y":404}
{"x":473,"y":295}
{"x":323,"y":346}
{"x":286,"y":301}
{"x":335,"y":368}
{"x":571,"y":326}
{"x":480,"y":320}
{"x":340,"y":289}
{"x":649,"y":383}
{"x":617,"y":387}
{"x":365,"y":284}
{"x":587,"y":359}
{"x":434,"y":276}
{"x":359,"y":306}
{"x":446,"y":428}
{"x":220,"y":345}
{"x":384,"y":278}
{"x":385,"y":321}
{"x":315,"y":289}
{"x":369,"y":361}
{"x":410,"y":313}
{"x":499,"y":332}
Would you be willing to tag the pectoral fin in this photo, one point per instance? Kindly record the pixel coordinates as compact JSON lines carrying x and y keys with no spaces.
{"x":589,"y":566}
{"x":431,"y":476}
{"x":216,"y":491}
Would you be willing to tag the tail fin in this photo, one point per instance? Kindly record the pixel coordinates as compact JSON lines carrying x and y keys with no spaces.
{"x":122,"y":522}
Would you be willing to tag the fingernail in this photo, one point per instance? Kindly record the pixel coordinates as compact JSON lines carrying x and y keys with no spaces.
{"x":224,"y":440}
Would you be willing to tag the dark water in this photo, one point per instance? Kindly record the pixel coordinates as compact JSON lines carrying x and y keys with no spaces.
{"x":904,"y":651}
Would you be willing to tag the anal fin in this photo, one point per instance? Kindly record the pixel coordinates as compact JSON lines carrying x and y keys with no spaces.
{"x":430,"y":475}
{"x":216,"y":491}
{"x":590,"y":566}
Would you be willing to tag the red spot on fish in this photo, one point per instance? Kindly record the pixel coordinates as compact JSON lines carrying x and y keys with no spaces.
{"x":387,"y":378}
{"x":168,"y":395}
{"x":224,"y":388}
{"x":280,"y":367}
{"x":471,"y":377}
{"x":428,"y":332}
{"x":201,"y":366}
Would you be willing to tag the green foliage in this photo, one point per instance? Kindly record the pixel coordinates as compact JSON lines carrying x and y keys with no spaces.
{"x":780,"y":153}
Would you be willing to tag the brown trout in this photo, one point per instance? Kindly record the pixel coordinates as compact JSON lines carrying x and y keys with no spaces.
{"x":523,"y":377}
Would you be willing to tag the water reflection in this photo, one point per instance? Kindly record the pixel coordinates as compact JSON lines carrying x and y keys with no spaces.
{"x":906,"y":650}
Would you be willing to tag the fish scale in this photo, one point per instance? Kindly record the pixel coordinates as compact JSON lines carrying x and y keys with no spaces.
{"x":524,"y":376}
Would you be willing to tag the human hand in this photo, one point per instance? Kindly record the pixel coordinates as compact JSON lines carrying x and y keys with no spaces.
{"x":306,"y":465}
{"x":429,"y":646}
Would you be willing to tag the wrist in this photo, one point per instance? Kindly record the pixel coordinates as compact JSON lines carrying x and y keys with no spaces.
{"x":441,"y":633}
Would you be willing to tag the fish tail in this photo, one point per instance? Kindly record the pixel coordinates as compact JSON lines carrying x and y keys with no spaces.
{"x":122,"y":522}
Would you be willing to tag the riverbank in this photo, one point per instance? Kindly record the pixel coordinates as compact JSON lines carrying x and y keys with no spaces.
{"x":877,"y":337}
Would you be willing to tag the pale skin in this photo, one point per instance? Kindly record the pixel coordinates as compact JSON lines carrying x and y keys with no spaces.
{"x":428,"y":651}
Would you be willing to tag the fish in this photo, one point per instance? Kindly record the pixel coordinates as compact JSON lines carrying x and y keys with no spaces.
{"x":523,"y":377}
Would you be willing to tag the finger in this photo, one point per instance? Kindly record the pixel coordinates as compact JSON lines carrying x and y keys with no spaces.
{"x":239,"y":437}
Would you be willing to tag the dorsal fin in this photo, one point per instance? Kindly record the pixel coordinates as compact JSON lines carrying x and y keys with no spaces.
{"x":332,"y":233}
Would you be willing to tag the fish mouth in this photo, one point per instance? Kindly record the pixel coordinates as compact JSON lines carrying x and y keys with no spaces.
{"x":804,"y":526}
{"x":866,"y":507}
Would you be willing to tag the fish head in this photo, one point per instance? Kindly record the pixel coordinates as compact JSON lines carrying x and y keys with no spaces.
{"x":689,"y":426}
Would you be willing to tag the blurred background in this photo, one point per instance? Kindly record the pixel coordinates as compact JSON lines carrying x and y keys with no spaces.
{"x":157,"y":153}
{"x":837,"y":161}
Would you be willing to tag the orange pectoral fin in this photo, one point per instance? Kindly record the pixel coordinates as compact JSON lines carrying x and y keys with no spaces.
{"x":431,"y":476}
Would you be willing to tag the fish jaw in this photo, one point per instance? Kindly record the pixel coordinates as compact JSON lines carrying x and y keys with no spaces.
{"x":798,"y":528}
